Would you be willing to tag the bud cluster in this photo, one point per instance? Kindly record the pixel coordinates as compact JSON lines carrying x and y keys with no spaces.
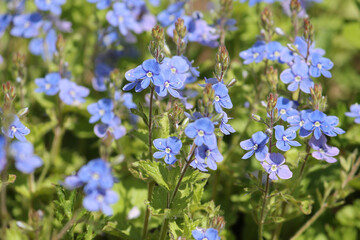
{"x":271,"y":103}
{"x":179,"y":35}
{"x":318,"y":100}
{"x":273,"y":78}
{"x":308,"y":31}
{"x":156,"y":46}
{"x":206,"y":104}
{"x":176,"y":114}
{"x":9,"y":95}
{"x":267,"y":23}
{"x":222,"y":63}
{"x":295,"y":7}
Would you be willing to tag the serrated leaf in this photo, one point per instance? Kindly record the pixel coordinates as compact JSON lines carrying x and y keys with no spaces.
{"x":141,"y":134}
{"x":157,"y":171}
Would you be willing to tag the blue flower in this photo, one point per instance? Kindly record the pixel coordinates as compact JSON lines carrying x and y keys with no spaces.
{"x":297,"y":76}
{"x":99,"y":200}
{"x":255,"y":54}
{"x":317,"y":122}
{"x":54,"y":6}
{"x":203,"y":132}
{"x":256,"y":144}
{"x":25,"y":160}
{"x":221,"y":98}
{"x":101,"y":78}
{"x":354,"y":112}
{"x":27,"y":25}
{"x":168,"y":147}
{"x":322,"y":150}
{"x":71,"y":93}
{"x":202,"y":166}
{"x":122,"y":18}
{"x":297,"y":122}
{"x":96,"y":175}
{"x":101,"y":110}
{"x":273,"y":51}
{"x":101,"y":4}
{"x":125,"y":98}
{"x":16,"y":129}
{"x":320,"y":66}
{"x":208,"y":155}
{"x":170,"y":83}
{"x":2,"y":152}
{"x":171,"y":14}
{"x":203,"y":33}
{"x":285,"y":108}
{"x":45,"y":47}
{"x":209,"y":234}
{"x":141,"y":76}
{"x":333,"y":121}
{"x":5,"y":20}
{"x":72,"y":182}
{"x":48,"y":85}
{"x":274,"y":166}
{"x":176,"y":67}
{"x":226,"y":128}
{"x":113,"y":129}
{"x":285,"y":138}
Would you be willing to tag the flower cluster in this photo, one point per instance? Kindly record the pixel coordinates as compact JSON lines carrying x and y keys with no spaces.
{"x":97,"y":180}
{"x":39,"y":26}
{"x":69,"y":92}
{"x":20,"y":150}
{"x":168,"y":77}
{"x":198,"y":30}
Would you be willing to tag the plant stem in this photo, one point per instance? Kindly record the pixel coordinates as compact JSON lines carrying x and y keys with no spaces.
{"x":4,"y":213}
{"x":262,"y":216}
{"x":67,"y":226}
{"x":277,"y":231}
{"x":166,"y":221}
{"x":309,"y":222}
{"x":151,"y":184}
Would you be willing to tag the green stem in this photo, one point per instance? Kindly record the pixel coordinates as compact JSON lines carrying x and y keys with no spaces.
{"x":165,"y":225}
{"x":4,"y":212}
{"x":262,"y":216}
{"x":309,"y":222}
{"x":151,"y":184}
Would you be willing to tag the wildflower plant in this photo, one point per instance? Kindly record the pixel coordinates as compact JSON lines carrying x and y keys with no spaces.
{"x":127,"y":119}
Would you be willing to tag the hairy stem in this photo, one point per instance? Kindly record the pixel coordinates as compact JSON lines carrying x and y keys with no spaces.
{"x":262,"y":215}
{"x":151,"y":184}
{"x":165,"y":225}
{"x":67,"y":226}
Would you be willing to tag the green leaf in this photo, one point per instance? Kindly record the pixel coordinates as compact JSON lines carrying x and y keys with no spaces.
{"x":157,"y":171}
{"x":164,"y":126}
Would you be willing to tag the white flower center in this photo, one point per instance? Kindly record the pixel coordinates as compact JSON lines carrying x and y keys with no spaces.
{"x":297,"y":78}
{"x":255,"y":147}
{"x":48,"y":2}
{"x":301,"y":123}
{"x":201,"y":133}
{"x":282,"y":111}
{"x":319,"y":66}
{"x":171,"y":17}
{"x":273,"y":168}
{"x":276,"y":54}
{"x":13,"y":129}
{"x":173,"y":70}
{"x":167,"y":150}
{"x":101,"y":112}
{"x":149,"y":74}
{"x":167,"y":84}
{"x":72,"y":93}
{"x":317,"y":124}
{"x":100,"y":198}
{"x":255,"y":55}
{"x":285,"y":138}
{"x":208,"y":152}
{"x":95,"y":176}
{"x":47,"y":86}
{"x":217,"y":98}
{"x":120,"y":19}
{"x":27,"y":24}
